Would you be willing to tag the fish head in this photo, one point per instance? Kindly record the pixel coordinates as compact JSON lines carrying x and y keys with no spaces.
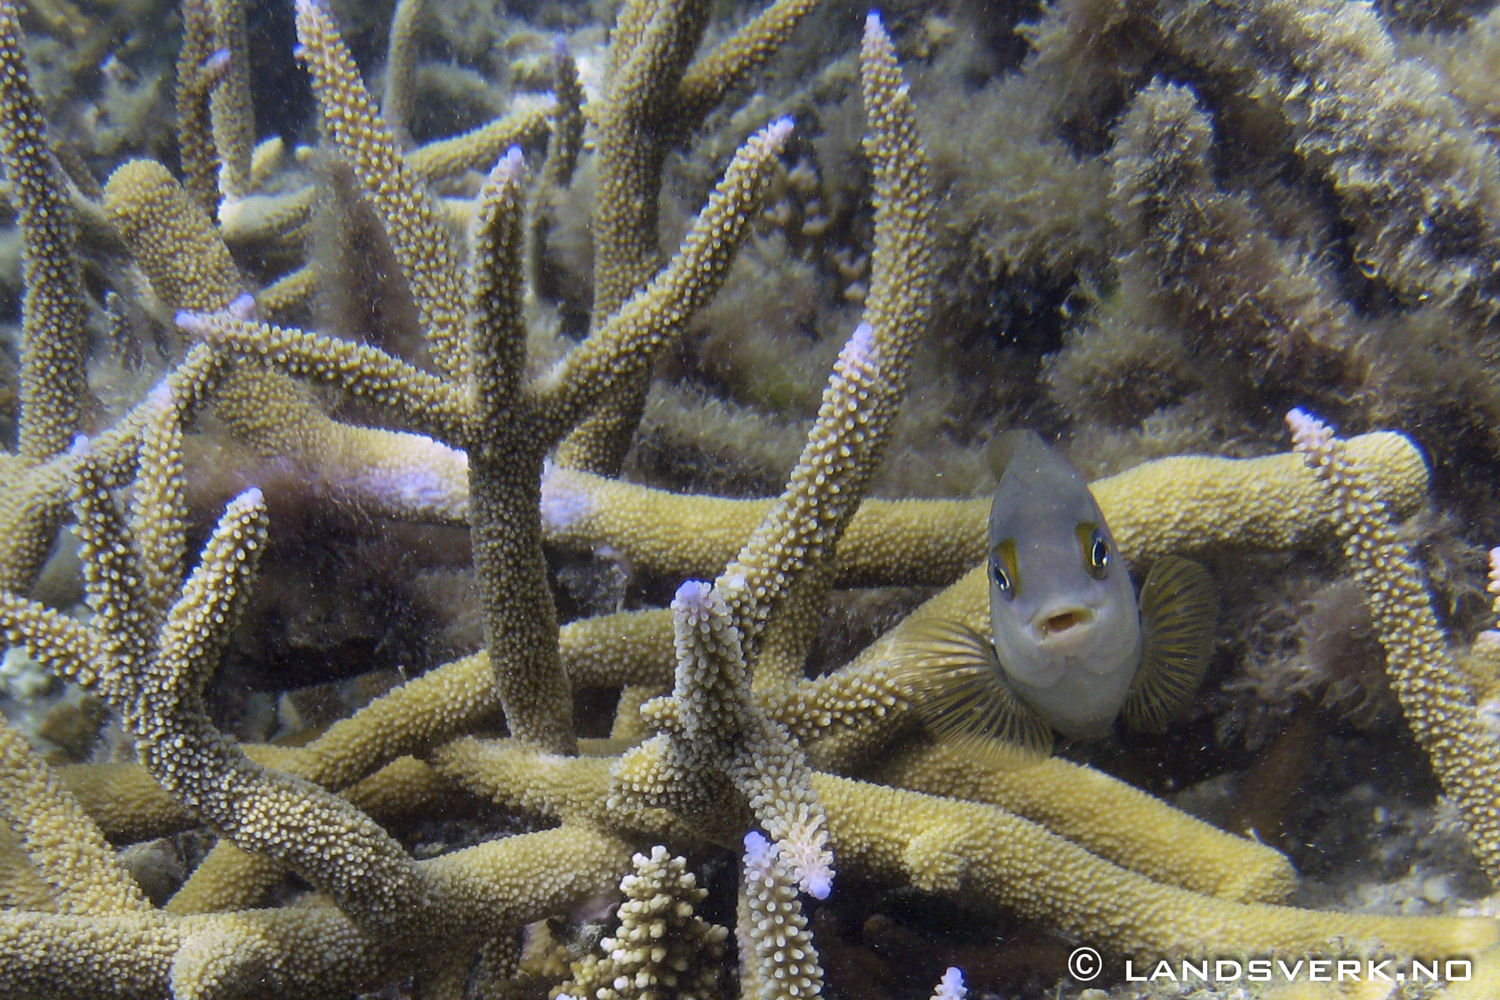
{"x":1067,"y":629}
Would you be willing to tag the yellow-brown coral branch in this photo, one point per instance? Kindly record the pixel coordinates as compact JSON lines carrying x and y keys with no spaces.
{"x":868,"y":384}
{"x":1104,"y":816}
{"x":418,"y":238}
{"x":643,"y":114}
{"x":195,"y":75}
{"x":497,"y":328}
{"x":1439,"y":706}
{"x":231,"y":110}
{"x":422,"y":401}
{"x":401,"y":68}
{"x":624,"y":345}
{"x":299,"y":953}
{"x":985,"y":853}
{"x":979,"y":850}
{"x":731,"y":62}
{"x":1171,"y":505}
{"x":58,"y":838}
{"x":53,"y":381}
{"x":480,"y":148}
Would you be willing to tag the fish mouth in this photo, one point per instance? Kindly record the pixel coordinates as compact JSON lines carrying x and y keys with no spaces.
{"x":1058,"y":623}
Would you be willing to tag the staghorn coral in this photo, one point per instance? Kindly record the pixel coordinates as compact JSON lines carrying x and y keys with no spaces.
{"x":985,"y":853}
{"x":653,"y":95}
{"x":660,"y":950}
{"x":450,"y":418}
{"x":779,"y":957}
{"x":150,"y":649}
{"x":1439,"y":706}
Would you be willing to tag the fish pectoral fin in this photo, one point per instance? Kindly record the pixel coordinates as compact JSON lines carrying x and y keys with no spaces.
{"x":1179,"y":612}
{"x":963,"y":699}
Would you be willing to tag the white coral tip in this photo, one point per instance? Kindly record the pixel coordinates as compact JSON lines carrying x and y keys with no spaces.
{"x":859,"y":350}
{"x":243,"y":307}
{"x":951,"y":986}
{"x":809,"y":860}
{"x":512,"y":165}
{"x":692,"y":596}
{"x":818,"y":884}
{"x":758,"y":853}
{"x":191,"y":322}
{"x":1308,"y":432}
{"x":217,"y":62}
{"x":160,"y":396}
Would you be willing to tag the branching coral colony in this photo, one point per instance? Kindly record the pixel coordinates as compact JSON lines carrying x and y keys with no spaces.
{"x":721,"y":742}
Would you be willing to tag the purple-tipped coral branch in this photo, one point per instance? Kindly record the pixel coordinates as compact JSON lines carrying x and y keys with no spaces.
{"x":505,"y":455}
{"x":1439,"y":707}
{"x":655,"y":95}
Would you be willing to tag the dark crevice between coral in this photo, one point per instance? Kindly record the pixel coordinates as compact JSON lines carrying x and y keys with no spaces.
{"x":878,"y":943}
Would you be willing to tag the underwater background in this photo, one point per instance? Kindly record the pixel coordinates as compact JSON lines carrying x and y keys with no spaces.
{"x":440,"y":674}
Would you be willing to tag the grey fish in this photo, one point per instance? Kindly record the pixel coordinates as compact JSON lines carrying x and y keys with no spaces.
{"x":1070,"y":649}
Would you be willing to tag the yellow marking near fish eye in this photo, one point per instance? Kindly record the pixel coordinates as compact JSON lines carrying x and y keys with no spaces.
{"x":1095,"y":549}
{"x":1003,"y":570}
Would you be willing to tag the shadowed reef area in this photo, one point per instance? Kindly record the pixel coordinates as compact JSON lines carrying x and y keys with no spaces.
{"x":469,"y":472}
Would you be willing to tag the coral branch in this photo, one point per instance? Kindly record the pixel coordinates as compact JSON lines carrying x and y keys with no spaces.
{"x":199,"y":65}
{"x":420,"y":400}
{"x":1439,"y":707}
{"x":57,"y":837}
{"x":497,"y":328}
{"x":418,"y":238}
{"x":648,"y":106}
{"x":53,"y":382}
{"x":231,"y":111}
{"x":396,"y":102}
{"x":781,"y":962}
{"x":623,"y":346}
{"x":478,"y":149}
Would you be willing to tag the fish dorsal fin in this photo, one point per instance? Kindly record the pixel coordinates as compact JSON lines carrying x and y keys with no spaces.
{"x":1005,"y":446}
{"x":963,"y":698}
{"x":1179,"y":611}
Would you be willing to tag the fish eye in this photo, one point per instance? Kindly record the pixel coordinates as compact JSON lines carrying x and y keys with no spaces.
{"x":1003,"y":568}
{"x":1001,"y":579}
{"x":1095,"y":546}
{"x":1098,"y":555}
